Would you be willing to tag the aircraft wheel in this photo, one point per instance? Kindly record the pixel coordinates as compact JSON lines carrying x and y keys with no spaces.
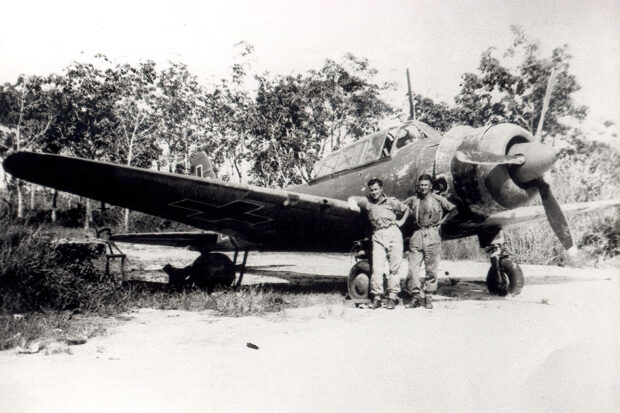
{"x":359,"y":281}
{"x":213,"y":270}
{"x":512,"y":279}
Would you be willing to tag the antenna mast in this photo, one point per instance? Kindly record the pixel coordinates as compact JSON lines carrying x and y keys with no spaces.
{"x":411,"y":104}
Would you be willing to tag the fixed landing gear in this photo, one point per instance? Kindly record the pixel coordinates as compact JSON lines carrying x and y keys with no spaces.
{"x":209,"y":271}
{"x":212,"y":270}
{"x":358,"y":283}
{"x":505,"y":276}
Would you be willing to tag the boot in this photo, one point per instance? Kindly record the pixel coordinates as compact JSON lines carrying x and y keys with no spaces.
{"x":427,"y":302}
{"x":391,"y":304}
{"x":376,"y":303}
{"x":416,"y":301}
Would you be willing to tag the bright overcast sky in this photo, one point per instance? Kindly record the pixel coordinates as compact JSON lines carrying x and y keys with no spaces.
{"x":437,"y":40}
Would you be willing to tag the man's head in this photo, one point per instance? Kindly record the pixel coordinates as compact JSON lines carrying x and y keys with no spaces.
{"x":375,"y":185}
{"x":424,"y":184}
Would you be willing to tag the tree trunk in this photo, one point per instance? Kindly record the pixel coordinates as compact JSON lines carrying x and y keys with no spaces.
{"x":126,"y":222}
{"x":33,"y":190}
{"x":54,"y":204}
{"x":87,"y":215}
{"x":20,"y":200}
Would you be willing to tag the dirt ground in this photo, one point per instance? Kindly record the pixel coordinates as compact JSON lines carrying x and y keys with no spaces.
{"x":555,"y":347}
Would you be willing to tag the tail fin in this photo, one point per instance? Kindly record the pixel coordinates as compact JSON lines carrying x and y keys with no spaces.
{"x":201,"y":166}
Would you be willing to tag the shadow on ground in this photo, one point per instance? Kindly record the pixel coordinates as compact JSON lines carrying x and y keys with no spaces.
{"x":277,"y":279}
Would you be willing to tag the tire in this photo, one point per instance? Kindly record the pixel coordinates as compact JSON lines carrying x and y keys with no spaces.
{"x":358,"y":283}
{"x":213,"y":270}
{"x":512,"y":276}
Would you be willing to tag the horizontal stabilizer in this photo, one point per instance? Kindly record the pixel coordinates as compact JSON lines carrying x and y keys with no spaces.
{"x":194,"y":240}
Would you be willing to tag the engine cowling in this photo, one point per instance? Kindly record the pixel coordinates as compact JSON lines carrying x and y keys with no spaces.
{"x":491,"y":187}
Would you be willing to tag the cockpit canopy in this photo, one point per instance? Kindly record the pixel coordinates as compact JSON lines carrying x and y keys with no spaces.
{"x":373,"y":147}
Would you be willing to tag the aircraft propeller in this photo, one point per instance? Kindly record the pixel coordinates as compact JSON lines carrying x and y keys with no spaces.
{"x":528,"y":162}
{"x":554,"y":213}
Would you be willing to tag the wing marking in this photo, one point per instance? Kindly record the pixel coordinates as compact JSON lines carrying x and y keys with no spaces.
{"x":238,"y":210}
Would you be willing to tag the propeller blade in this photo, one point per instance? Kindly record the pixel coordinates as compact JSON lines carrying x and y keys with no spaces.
{"x":556,"y":217}
{"x":546,"y":99}
{"x":486,"y":158}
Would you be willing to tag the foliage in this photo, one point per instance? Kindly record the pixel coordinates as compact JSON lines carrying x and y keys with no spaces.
{"x":439,"y":115}
{"x":512,"y":90}
{"x":149,"y":223}
{"x":603,"y":238}
{"x":587,"y":170}
{"x":27,"y":108}
{"x":300,"y":118}
{"x":38,"y":274}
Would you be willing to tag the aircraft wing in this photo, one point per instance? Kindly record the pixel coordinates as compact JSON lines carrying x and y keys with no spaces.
{"x":252,"y":216}
{"x":534,"y":213}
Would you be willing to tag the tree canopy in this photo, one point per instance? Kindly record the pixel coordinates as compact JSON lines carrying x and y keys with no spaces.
{"x":263,"y":128}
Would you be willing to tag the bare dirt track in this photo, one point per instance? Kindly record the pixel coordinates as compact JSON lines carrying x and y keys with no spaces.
{"x":552,"y":348}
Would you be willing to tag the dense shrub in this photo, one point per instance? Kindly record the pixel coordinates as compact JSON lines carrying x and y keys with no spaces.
{"x":37,"y":273}
{"x":603,"y":239}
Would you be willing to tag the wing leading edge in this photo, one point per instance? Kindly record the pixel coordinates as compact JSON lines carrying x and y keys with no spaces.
{"x":270,"y":218}
{"x":535,"y":213}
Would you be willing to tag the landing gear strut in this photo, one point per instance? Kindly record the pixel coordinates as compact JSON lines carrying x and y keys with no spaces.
{"x":505,"y":276}
{"x":358,"y":283}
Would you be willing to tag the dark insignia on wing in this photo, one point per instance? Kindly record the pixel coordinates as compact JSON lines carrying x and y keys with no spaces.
{"x":238,"y":210}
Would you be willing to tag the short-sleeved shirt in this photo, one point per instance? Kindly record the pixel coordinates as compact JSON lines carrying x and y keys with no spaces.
{"x":428,"y":212}
{"x":382,"y":214}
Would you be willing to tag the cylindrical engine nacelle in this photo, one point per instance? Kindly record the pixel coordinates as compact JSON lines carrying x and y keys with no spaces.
{"x":487,"y":187}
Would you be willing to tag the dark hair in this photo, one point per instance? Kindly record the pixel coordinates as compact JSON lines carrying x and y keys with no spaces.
{"x":375,"y":180}
{"x":425,"y":177}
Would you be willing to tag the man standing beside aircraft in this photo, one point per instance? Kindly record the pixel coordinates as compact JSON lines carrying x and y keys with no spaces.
{"x":429,"y":212}
{"x":387,"y":240}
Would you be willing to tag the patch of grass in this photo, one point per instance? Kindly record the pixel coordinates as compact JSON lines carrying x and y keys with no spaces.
{"x":23,"y":330}
{"x":249,"y":300}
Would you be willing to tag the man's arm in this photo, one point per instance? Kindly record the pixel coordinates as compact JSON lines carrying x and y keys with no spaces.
{"x":447,"y":206}
{"x":358,"y":202}
{"x":400,"y":222}
{"x":401,"y":207}
{"x":451,"y":214}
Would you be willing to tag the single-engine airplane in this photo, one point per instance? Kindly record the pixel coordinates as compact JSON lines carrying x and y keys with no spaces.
{"x":488,"y":172}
